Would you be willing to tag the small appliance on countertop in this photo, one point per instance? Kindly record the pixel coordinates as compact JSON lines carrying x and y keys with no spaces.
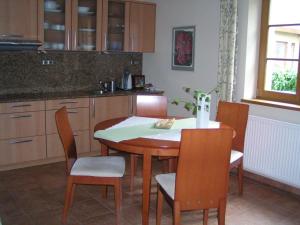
{"x":107,"y":86}
{"x":126,"y":82}
{"x":138,"y":81}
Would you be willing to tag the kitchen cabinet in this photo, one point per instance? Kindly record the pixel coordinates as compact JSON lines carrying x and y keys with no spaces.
{"x":28,"y":133}
{"x":114,"y":29}
{"x":78,"y":112}
{"x":70,"y":24}
{"x":141,"y":27}
{"x":22,"y":132}
{"x":128,"y":26}
{"x":86,"y":24}
{"x":18,"y":17}
{"x":104,"y":108}
{"x":54,"y":24}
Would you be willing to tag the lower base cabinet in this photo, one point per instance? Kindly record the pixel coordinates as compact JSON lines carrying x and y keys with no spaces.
{"x":28,"y":133}
{"x":104,"y":108}
{"x":55,"y":148}
{"x":21,"y":150}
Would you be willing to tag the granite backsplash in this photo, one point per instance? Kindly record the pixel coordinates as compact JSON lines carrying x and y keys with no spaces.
{"x":24,"y":72}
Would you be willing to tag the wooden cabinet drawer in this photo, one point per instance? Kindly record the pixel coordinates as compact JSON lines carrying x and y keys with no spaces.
{"x":55,"y":148}
{"x":22,"y":124}
{"x":69,"y":103}
{"x":15,"y":107}
{"x":79,"y":119}
{"x":22,"y":150}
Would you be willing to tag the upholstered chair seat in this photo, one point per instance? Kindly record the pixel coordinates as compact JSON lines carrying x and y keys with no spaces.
{"x":235,"y":155}
{"x":106,"y":166}
{"x":167,"y":182}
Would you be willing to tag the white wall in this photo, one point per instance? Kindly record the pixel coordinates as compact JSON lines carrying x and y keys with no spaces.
{"x":205,"y":15}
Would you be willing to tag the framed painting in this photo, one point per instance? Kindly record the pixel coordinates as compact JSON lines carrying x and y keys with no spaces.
{"x":183,"y":50}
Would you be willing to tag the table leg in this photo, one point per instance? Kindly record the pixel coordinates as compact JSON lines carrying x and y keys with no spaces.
{"x":104,"y":150}
{"x":146,"y":187}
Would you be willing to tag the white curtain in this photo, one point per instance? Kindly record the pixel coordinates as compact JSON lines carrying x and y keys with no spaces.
{"x":227,"y":50}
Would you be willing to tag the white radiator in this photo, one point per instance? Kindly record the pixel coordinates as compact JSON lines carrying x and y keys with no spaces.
{"x":272,"y":149}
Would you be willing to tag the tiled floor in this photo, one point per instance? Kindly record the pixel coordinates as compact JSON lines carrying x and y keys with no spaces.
{"x":35,"y":196}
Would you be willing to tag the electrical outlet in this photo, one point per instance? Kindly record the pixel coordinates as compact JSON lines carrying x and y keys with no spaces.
{"x":47,"y":62}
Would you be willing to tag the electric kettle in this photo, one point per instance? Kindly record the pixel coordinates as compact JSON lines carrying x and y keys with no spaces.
{"x":126,"y":82}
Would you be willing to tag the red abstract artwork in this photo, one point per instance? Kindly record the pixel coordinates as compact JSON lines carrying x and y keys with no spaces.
{"x":183,"y":41}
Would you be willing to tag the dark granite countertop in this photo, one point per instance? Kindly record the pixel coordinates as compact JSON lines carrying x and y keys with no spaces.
{"x":72,"y":94}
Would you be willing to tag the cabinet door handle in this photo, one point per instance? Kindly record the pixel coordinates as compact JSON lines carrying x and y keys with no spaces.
{"x":20,"y":116}
{"x":75,"y":45}
{"x":105,"y":41}
{"x":20,"y":141}
{"x":94,"y":108}
{"x":22,"y":105}
{"x":72,"y":111}
{"x":68,"y":102}
{"x":68,"y":40}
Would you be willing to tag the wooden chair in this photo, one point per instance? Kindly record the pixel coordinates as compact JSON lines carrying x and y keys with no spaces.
{"x":235,"y":115}
{"x":87,"y":170}
{"x":147,"y":106}
{"x":201,"y":181}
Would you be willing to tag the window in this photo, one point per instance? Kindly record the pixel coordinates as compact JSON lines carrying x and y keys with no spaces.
{"x":279,"y":62}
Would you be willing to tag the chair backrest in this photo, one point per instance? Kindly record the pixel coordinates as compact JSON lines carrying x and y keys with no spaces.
{"x":66,"y":136}
{"x":151,"y":106}
{"x":203,"y":167}
{"x":234,"y":115}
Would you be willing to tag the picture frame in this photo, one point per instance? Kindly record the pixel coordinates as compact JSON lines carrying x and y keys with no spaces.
{"x":183,"y":48}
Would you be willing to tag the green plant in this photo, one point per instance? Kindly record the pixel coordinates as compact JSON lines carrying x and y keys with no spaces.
{"x":196,"y":95}
{"x":284,"y":81}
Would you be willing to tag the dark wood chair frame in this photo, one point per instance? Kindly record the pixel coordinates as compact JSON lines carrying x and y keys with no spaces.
{"x":235,"y":115}
{"x":68,"y":141}
{"x":202,"y":174}
{"x":147,"y":106}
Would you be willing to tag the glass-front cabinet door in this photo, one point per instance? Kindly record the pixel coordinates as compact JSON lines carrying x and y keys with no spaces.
{"x":86,"y":24}
{"x":55,"y":24}
{"x":115,"y":29}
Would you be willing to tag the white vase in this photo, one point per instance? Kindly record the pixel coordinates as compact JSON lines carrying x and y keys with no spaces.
{"x":203,"y":111}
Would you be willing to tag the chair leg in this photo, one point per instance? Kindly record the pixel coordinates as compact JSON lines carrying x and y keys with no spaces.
{"x":159,"y":205}
{"x":118,"y":196}
{"x":176,"y":213}
{"x":68,"y":197}
{"x":221,"y":212}
{"x":133,"y":165}
{"x":72,"y":195}
{"x":240,"y":178}
{"x":205,"y":216}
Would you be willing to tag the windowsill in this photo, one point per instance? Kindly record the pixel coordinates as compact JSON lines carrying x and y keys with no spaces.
{"x":273,"y":104}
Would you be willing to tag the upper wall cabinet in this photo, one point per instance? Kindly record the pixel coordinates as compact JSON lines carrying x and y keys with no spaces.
{"x":86,"y":24}
{"x":55,"y":24}
{"x":70,"y":24}
{"x":128,"y":26}
{"x":141,"y":27}
{"x":18,"y":17}
{"x":114,"y":31}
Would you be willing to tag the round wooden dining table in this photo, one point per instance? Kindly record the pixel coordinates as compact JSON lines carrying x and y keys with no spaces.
{"x":142,"y":146}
